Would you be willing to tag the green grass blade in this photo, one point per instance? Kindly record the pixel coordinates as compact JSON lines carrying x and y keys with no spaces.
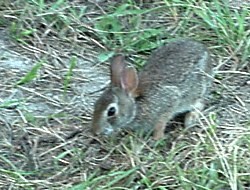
{"x":30,"y":75}
{"x":68,"y":76}
{"x":119,"y":176}
{"x":105,"y":56}
{"x":9,"y":103}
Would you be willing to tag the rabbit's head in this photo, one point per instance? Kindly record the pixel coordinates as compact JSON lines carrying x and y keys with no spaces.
{"x":116,"y":106}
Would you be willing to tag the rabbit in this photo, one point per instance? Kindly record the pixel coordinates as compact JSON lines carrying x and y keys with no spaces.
{"x":174,"y":80}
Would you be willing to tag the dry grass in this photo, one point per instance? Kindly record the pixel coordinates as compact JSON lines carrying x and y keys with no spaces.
{"x":59,"y":49}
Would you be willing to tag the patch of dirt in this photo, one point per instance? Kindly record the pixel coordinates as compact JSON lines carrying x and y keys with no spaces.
{"x":239,"y":3}
{"x":37,"y":117}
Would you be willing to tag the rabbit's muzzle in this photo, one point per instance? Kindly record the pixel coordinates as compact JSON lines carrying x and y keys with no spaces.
{"x":97,"y":129}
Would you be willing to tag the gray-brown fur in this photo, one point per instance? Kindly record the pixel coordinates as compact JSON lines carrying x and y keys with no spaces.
{"x":174,"y":80}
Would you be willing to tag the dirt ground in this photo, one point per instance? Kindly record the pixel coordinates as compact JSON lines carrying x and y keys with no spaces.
{"x":40,"y":116}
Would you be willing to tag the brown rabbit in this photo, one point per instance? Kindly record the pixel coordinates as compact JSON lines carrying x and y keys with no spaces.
{"x":174,"y":80}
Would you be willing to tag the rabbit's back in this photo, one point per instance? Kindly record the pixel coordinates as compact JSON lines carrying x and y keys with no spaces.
{"x":174,"y":64}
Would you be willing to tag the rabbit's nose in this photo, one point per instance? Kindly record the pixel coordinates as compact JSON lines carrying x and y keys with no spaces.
{"x":101,"y":130}
{"x":105,"y":132}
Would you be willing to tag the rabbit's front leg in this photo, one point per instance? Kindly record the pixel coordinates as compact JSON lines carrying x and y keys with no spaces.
{"x":172,"y":103}
{"x":160,"y":126}
{"x":159,"y":131}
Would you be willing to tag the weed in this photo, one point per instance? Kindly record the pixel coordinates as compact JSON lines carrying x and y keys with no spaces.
{"x":30,"y":75}
{"x":69,"y":74}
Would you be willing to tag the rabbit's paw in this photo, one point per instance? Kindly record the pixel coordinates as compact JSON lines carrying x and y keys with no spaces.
{"x":159,"y":130}
{"x":191,"y":118}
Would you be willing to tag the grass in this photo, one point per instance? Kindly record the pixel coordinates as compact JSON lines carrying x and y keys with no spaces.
{"x":69,"y":74}
{"x":30,"y":75}
{"x":46,"y":154}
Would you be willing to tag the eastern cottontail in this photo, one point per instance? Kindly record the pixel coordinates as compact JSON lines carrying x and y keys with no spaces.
{"x":174,"y":80}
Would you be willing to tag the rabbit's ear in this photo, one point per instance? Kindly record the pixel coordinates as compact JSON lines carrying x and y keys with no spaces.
{"x":116,"y":70}
{"x":129,"y":80}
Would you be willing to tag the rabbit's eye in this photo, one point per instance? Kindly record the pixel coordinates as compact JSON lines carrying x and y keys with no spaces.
{"x":111,"y":111}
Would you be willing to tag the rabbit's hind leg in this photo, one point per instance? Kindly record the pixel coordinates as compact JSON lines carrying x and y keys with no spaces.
{"x":192,"y":116}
